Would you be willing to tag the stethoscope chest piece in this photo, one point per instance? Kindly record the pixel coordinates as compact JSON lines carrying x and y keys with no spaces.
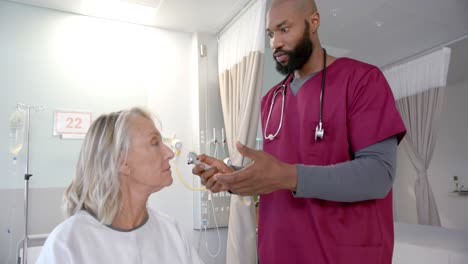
{"x":319,"y":131}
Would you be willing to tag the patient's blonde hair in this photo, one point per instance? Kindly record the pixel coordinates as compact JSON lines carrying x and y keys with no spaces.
{"x":96,"y":186}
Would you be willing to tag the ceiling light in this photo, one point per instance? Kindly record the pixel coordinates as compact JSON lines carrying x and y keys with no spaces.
{"x":133,"y":11}
{"x":379,"y":24}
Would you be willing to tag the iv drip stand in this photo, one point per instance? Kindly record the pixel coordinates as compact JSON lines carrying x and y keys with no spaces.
{"x":27,"y":175}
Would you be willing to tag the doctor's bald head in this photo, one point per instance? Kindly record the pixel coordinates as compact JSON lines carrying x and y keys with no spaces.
{"x":303,"y":6}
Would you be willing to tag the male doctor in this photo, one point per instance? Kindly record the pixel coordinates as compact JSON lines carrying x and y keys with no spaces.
{"x":328,"y":162}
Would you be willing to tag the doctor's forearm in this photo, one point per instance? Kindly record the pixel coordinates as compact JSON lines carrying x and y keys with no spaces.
{"x":369,"y":176}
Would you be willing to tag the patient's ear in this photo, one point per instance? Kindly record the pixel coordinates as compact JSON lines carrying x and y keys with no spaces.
{"x":124,"y":169}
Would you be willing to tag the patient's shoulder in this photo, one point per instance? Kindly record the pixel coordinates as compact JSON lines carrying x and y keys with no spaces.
{"x":161,"y":217}
{"x":75,"y":225}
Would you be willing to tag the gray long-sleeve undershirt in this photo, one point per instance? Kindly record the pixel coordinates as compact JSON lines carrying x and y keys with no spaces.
{"x":369,"y":175}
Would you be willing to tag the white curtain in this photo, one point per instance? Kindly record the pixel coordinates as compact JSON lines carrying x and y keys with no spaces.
{"x":241,"y":51}
{"x":418,"y":85}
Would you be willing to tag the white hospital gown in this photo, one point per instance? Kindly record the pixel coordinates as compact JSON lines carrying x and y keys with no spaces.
{"x":83,"y":239}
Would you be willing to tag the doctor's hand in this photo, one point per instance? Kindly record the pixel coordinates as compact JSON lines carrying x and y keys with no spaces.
{"x":206,"y":176}
{"x":264,"y":175}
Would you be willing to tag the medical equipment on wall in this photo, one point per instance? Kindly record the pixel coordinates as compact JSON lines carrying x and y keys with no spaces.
{"x":205,"y":217}
{"x":176,"y":146}
{"x":457,"y":184}
{"x":211,"y":210}
{"x":223,"y":145}
{"x":460,"y":185}
{"x":20,"y":129}
{"x":192,"y":159}
{"x":319,"y":130}
{"x":258,"y":144}
{"x":217,"y":147}
{"x":205,"y":225}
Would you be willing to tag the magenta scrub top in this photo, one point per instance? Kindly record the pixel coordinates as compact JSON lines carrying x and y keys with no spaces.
{"x":358,"y":110}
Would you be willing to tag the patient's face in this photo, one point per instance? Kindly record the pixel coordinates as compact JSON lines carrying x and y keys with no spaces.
{"x":148,"y":157}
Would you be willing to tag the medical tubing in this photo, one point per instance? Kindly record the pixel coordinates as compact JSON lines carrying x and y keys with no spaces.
{"x":199,"y":243}
{"x":184,"y":182}
{"x":323,"y":83}
{"x":219,"y":236}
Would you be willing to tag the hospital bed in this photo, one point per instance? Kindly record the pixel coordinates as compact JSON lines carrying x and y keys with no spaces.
{"x":35,"y":243}
{"x":425,"y":244}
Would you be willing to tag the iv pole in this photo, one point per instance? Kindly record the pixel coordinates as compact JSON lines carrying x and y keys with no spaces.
{"x":27,"y":175}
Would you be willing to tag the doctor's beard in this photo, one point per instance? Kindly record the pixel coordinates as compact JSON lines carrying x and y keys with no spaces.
{"x":298,"y":56}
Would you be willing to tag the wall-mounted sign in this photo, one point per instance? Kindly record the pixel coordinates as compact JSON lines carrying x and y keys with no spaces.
{"x":71,"y":124}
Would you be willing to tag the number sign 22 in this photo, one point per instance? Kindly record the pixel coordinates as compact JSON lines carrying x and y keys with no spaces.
{"x":74,"y":122}
{"x":71,"y":122}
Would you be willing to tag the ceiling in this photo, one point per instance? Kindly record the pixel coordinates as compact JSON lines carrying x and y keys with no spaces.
{"x":376,"y":31}
{"x":407,"y":26}
{"x":208,"y":16}
{"x":458,"y":63}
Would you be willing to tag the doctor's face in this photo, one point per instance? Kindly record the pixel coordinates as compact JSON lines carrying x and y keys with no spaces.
{"x":148,"y":158}
{"x":289,"y":35}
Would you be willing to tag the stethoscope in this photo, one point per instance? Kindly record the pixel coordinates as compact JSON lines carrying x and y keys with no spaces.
{"x":319,"y":131}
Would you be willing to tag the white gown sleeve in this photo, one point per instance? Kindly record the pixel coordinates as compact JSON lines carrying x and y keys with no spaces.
{"x":192,"y":255}
{"x":54,"y":252}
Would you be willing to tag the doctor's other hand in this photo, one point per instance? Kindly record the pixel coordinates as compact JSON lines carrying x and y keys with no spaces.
{"x":264,"y":175}
{"x":206,"y":176}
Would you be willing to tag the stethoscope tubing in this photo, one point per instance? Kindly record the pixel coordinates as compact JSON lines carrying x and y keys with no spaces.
{"x":319,"y":132}
{"x":281,"y":89}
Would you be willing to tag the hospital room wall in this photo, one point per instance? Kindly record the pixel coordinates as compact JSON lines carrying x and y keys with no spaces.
{"x":450,"y":158}
{"x":64,"y":61}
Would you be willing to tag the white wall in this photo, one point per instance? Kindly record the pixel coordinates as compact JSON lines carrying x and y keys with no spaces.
{"x":450,"y":158}
{"x":65,"y":61}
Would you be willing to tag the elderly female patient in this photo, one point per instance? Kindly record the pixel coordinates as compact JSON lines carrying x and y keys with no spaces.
{"x":122,"y":162}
